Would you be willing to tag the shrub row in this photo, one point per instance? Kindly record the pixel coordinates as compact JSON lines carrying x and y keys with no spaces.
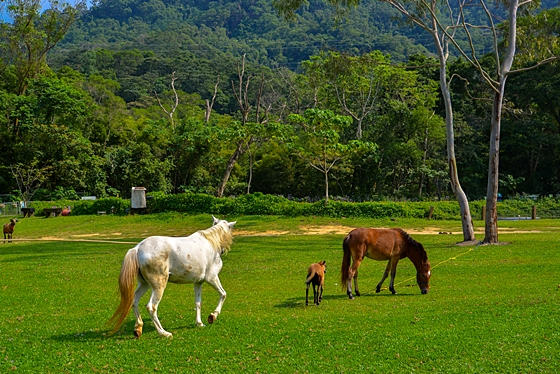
{"x":260,"y":204}
{"x":85,"y":207}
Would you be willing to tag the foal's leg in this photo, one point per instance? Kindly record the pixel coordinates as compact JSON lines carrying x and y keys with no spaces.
{"x":307,"y":295}
{"x":215,"y":282}
{"x":385,"y":275}
{"x":143,"y":286}
{"x":315,"y":294}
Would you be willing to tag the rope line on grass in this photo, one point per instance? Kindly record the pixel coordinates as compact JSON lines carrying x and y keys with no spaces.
{"x":433,"y":267}
{"x":73,"y":240}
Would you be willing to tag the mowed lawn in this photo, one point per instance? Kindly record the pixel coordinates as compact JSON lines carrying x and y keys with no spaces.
{"x":490,"y":308}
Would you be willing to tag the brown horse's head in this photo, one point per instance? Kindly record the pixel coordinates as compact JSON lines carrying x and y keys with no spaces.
{"x":423,"y":277}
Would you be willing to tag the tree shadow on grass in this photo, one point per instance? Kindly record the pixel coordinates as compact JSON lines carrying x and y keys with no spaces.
{"x":125,"y":332}
{"x":299,"y":302}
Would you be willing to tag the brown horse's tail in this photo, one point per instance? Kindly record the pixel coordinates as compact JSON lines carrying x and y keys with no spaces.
{"x":310,"y":276}
{"x":127,"y":283}
{"x":345,"y":262}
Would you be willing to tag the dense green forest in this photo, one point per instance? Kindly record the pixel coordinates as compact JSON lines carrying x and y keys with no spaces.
{"x":227,"y":97}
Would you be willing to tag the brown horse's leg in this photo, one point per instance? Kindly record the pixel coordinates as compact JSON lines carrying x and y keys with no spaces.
{"x":356,"y":291}
{"x":351,"y":273}
{"x":394,"y":263}
{"x":307,"y":295}
{"x":385,"y":275}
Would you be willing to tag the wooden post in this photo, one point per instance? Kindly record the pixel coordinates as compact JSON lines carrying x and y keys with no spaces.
{"x":483,"y":214}
{"x":534,"y":212}
{"x":430,"y":212}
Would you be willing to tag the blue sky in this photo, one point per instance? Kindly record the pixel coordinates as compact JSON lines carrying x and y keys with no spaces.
{"x":4,"y":15}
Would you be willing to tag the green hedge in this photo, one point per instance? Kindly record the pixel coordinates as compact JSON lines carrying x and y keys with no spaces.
{"x":260,"y":204}
{"x":85,"y":207}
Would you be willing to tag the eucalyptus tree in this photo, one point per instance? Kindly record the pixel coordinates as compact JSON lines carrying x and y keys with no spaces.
{"x":32,"y":32}
{"x":355,"y":84}
{"x":254,"y":123}
{"x":29,"y":34}
{"x":422,"y":14}
{"x":317,"y":141}
{"x":459,"y":25}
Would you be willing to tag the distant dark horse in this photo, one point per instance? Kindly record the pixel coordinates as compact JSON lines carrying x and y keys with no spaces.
{"x":383,"y":245}
{"x":9,"y":229}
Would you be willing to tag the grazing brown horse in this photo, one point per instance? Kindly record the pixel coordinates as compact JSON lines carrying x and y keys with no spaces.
{"x":383,"y":245}
{"x":9,"y":229}
{"x":316,"y":276}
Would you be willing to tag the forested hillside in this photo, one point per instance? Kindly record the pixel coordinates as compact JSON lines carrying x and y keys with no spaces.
{"x":227,"y":97}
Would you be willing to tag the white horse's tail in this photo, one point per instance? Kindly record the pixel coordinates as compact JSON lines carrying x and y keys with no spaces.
{"x":127,"y":283}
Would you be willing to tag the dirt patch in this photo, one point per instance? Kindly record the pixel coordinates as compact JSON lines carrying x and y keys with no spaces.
{"x":336,"y":229}
{"x":326,"y":229}
{"x":259,"y":233}
{"x":49,"y":238}
{"x":85,"y":235}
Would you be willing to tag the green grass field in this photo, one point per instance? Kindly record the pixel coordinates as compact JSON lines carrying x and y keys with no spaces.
{"x":490,"y":308}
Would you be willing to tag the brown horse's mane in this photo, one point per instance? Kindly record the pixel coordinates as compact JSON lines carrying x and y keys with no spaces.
{"x":414,"y":244}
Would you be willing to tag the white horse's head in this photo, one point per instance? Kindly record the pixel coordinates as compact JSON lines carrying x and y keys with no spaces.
{"x":215,"y":221}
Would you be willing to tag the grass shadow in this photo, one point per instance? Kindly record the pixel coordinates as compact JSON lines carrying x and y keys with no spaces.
{"x":86,"y":336}
{"x":299,"y":302}
{"x":125,"y":332}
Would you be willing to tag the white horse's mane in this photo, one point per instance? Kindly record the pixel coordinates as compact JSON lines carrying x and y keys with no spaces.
{"x":219,"y":236}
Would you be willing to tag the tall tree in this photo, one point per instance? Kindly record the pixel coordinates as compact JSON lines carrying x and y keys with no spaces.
{"x":355,"y":83}
{"x":456,"y":25}
{"x":245,"y":132}
{"x":318,"y":141}
{"x":32,"y":33}
{"x":422,"y":14}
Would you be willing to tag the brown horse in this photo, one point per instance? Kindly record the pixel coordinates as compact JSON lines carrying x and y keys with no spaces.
{"x":316,"y":277}
{"x":9,"y":229}
{"x":381,"y":245}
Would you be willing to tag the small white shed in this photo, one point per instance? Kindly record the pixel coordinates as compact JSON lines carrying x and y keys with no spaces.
{"x":138,"y":198}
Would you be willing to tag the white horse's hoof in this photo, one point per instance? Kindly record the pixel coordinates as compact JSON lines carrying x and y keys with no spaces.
{"x":167,"y":334}
{"x":212,"y":318}
{"x":200,"y":324}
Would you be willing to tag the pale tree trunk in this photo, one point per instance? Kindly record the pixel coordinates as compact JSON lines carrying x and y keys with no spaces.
{"x":210,"y":103}
{"x":424,"y":158}
{"x":491,"y":226}
{"x":326,"y":187}
{"x":241,"y":94}
{"x":239,"y":151}
{"x":465,"y":211}
{"x":174,"y":106}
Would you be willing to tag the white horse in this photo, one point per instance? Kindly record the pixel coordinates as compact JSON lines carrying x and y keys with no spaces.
{"x":160,"y":259}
